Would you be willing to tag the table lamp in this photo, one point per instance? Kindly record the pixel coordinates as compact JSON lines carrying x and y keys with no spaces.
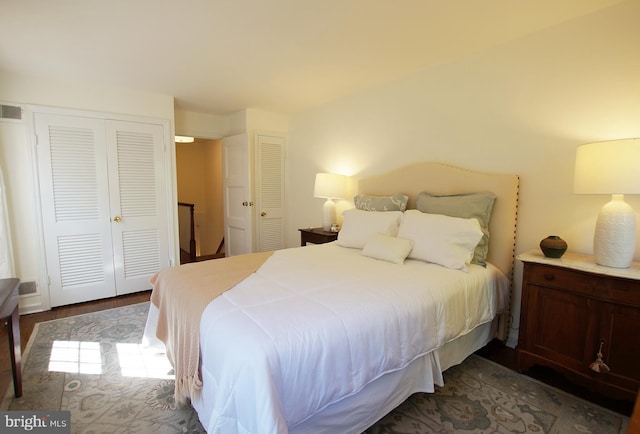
{"x":330,"y":186}
{"x":611,"y":167}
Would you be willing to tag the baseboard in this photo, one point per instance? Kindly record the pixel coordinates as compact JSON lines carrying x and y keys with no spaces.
{"x":31,"y":303}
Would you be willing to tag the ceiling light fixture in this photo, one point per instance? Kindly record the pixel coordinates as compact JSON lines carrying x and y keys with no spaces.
{"x":184,"y":139}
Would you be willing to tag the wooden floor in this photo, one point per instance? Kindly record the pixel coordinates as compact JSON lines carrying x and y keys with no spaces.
{"x":495,"y":351}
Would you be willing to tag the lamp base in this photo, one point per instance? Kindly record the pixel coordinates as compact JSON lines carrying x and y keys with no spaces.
{"x":614,"y":241}
{"x":328,"y":215}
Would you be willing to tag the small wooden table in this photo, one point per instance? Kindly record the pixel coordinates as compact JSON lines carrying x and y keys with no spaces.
{"x":9,"y":313}
{"x":316,"y":236}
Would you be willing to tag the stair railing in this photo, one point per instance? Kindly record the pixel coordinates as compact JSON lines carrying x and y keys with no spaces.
{"x":192,"y":227}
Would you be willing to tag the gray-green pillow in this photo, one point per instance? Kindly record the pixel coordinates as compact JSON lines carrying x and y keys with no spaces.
{"x":465,"y":205}
{"x":397,"y":202}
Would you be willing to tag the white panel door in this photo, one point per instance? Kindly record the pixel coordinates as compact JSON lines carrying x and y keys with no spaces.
{"x":238,"y":205}
{"x":270,"y":191}
{"x":139,"y":203}
{"x":71,"y":153}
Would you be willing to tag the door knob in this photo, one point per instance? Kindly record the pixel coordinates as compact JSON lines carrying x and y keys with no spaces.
{"x":117,"y":219}
{"x":263,"y":213}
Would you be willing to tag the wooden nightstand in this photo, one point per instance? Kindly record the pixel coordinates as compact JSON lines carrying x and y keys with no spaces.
{"x":316,"y":236}
{"x":573,"y":308}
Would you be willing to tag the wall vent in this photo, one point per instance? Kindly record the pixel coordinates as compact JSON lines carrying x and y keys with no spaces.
{"x":10,"y":112}
{"x":27,"y":288}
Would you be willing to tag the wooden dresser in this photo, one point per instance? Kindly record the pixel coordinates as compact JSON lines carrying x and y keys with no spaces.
{"x":571,"y":310}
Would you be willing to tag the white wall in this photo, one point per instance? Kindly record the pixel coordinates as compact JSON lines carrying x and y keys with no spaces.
{"x":16,"y":161}
{"x":202,"y":125}
{"x":518,"y":108}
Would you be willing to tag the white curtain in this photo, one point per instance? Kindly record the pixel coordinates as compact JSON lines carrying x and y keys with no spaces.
{"x":6,"y":249}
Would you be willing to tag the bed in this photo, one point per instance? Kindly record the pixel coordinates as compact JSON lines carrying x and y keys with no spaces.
{"x":330,"y":338}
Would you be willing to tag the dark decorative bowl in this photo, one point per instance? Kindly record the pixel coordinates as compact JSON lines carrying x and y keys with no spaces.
{"x":553,"y":246}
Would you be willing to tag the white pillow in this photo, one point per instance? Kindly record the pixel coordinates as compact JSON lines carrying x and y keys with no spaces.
{"x":358,"y":226}
{"x":440,"y":239}
{"x":386,"y":248}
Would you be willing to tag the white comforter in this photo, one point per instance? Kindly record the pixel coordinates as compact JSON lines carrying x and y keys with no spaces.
{"x":317,"y":324}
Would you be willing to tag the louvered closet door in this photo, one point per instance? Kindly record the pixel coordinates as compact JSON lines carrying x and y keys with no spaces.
{"x":138,"y":198}
{"x":270,"y":187}
{"x":75,"y":207}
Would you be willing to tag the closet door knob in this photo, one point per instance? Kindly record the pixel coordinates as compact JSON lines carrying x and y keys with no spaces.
{"x":117,"y":219}
{"x":263,"y":213}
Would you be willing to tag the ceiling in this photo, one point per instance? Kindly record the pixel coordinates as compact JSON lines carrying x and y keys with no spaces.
{"x":221,"y":56}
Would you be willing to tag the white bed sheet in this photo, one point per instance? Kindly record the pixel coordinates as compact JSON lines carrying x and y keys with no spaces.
{"x":351,"y":322}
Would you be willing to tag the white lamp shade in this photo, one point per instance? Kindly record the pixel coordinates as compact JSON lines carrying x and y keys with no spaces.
{"x":330,"y":186}
{"x":611,"y":167}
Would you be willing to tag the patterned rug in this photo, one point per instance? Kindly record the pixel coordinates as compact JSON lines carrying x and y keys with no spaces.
{"x":94,"y":366}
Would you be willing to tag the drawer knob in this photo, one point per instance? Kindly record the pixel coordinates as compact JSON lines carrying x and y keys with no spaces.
{"x":549,"y":276}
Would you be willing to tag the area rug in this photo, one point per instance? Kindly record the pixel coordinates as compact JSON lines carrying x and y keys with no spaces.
{"x":94,"y":366}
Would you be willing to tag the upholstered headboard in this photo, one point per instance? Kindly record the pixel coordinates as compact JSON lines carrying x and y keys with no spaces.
{"x":437,"y":178}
